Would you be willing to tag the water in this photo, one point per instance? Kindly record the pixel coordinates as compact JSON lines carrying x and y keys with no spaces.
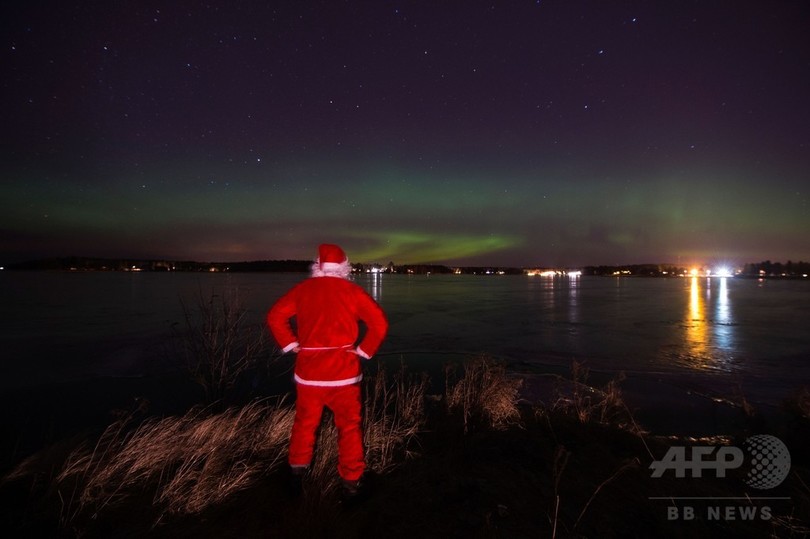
{"x":715,"y":333}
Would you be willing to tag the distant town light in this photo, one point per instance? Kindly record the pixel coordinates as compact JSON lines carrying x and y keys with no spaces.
{"x":550,"y":273}
{"x":722,"y":272}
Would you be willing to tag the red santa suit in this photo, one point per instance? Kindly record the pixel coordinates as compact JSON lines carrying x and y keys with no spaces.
{"x":327,"y":309}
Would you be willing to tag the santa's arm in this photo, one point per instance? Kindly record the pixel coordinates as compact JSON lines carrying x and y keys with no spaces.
{"x":278,"y":320}
{"x":376,"y":325}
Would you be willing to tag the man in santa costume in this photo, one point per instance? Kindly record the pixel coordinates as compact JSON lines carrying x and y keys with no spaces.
{"x":327,"y":308}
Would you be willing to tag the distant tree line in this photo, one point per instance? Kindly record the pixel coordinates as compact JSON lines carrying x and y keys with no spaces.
{"x":75,"y":263}
{"x":643,"y":270}
{"x":777,"y":269}
{"x":767,"y":268}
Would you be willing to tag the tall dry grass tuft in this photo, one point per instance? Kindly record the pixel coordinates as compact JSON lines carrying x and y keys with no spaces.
{"x":217,"y":344}
{"x":561,"y":456}
{"x":394,"y":415}
{"x":485,"y":394}
{"x":801,"y":403}
{"x":605,"y":406}
{"x":190,"y":462}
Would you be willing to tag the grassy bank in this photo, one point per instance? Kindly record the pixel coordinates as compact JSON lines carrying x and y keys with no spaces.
{"x":473,"y":460}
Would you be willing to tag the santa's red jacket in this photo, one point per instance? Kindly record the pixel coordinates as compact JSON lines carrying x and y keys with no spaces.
{"x":327,"y":311}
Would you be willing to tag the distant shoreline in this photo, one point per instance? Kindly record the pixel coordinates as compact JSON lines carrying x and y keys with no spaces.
{"x":760,"y":270}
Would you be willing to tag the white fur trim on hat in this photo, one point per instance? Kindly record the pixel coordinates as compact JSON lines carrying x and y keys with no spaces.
{"x":331,"y":269}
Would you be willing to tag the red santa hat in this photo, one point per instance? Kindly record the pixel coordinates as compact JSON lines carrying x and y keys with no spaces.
{"x":331,"y":257}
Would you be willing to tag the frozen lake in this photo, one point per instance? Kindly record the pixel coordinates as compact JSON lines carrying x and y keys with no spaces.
{"x":66,"y":326}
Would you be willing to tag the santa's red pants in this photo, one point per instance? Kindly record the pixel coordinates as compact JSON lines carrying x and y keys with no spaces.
{"x":344,"y":401}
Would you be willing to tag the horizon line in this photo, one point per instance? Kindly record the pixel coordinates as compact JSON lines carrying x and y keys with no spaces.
{"x":443,"y":264}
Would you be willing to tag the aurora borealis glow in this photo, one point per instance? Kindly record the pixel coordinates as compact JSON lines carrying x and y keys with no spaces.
{"x":515,"y":133}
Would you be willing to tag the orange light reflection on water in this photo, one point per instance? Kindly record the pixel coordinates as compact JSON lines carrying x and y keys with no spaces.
{"x":697,"y":327}
{"x":709,"y":335}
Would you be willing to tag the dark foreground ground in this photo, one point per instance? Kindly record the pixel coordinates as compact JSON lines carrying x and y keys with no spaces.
{"x":555,"y":474}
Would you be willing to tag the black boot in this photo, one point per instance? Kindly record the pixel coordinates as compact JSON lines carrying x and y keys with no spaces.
{"x":351,"y":492}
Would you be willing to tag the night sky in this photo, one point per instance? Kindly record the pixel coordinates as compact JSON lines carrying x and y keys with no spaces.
{"x":526,"y":133}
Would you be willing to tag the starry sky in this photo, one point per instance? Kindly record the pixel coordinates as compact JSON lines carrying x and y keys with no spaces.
{"x":523,"y":133}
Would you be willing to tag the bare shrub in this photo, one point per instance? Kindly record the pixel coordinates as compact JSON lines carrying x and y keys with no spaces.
{"x":485,"y":393}
{"x":218,"y":346}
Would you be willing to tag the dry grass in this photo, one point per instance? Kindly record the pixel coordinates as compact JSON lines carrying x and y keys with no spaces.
{"x":190,"y":462}
{"x":485,"y":394}
{"x":589,"y":404}
{"x":561,"y":456}
{"x":187,"y":464}
{"x":394,"y":415}
{"x":196,"y":461}
{"x":207,"y":472}
{"x":800,"y":403}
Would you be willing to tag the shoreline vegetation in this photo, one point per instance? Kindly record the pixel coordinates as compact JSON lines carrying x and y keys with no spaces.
{"x":466,"y":451}
{"x":765,"y":269}
{"x":476,"y":459}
